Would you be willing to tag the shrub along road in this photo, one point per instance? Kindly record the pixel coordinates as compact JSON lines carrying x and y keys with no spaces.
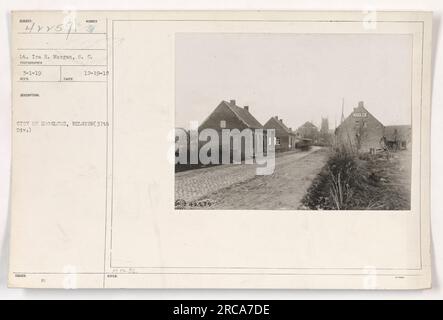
{"x":363,"y":182}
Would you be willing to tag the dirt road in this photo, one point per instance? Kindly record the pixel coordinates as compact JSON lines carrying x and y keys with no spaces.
{"x":238,"y":187}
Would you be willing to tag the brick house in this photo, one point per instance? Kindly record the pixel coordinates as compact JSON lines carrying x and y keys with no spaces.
{"x":285,"y":138}
{"x":308,"y":131}
{"x":227,"y":115}
{"x":361,"y":130}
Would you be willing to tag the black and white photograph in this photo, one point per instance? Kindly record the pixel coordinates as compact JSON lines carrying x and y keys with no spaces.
{"x":293,"y":121}
{"x":233,"y":150}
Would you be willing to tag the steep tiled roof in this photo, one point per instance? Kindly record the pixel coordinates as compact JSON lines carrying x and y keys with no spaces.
{"x":359,"y":109}
{"x":308,"y":124}
{"x":281,"y":125}
{"x":245,"y":116}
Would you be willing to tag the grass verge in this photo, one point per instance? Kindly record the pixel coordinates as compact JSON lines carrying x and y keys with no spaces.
{"x":351,"y":181}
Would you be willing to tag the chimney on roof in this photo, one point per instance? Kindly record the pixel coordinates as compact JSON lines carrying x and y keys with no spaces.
{"x":246,"y":108}
{"x":361,"y":104}
{"x":276,"y":117}
{"x":281,"y":120}
{"x":232,"y":102}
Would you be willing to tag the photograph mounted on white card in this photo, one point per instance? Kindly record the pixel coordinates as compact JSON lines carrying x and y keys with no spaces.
{"x":228,"y":149}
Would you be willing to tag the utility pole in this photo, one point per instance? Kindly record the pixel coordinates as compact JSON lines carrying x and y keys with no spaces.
{"x":342,"y":110}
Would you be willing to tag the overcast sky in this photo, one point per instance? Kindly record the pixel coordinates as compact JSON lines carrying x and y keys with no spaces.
{"x":296,"y":77}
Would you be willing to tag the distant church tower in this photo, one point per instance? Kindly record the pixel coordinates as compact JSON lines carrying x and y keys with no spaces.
{"x":324,"y":129}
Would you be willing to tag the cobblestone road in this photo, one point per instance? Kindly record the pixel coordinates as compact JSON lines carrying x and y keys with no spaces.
{"x":196,"y":184}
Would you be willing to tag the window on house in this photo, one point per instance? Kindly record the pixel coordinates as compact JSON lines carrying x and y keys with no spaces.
{"x":277,"y":141}
{"x":223,"y":124}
